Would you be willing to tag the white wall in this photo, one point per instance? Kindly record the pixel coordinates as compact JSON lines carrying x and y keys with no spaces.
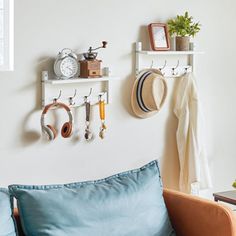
{"x":44,"y":27}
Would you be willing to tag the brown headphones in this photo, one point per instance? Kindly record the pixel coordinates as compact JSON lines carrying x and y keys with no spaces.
{"x":66,"y":129}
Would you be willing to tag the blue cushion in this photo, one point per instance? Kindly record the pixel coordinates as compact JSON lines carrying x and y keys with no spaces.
{"x":126,"y":204}
{"x":7,"y":225}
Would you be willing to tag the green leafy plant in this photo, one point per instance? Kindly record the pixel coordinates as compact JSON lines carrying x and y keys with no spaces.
{"x":183,"y":26}
{"x":234,"y":184}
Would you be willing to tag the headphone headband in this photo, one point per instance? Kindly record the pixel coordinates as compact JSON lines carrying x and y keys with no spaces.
{"x":56,"y":104}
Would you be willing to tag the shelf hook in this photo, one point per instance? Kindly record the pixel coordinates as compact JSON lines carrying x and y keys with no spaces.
{"x":186,"y":70}
{"x":90,"y":92}
{"x":174,"y":68}
{"x":163,"y":67}
{"x":71,"y":99}
{"x":151,"y":65}
{"x":100,"y":96}
{"x":86,"y":97}
{"x":56,"y":99}
{"x":177,"y":65}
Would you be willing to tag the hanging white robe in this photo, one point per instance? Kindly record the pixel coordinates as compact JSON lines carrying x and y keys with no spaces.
{"x":194,"y":170}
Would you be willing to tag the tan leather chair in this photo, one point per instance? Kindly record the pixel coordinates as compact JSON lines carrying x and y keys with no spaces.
{"x":192,"y":216}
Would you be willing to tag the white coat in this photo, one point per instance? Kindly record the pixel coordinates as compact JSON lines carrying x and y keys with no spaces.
{"x":194,"y":170}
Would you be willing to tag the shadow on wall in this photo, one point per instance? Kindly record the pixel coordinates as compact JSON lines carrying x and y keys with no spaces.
{"x":170,"y":163}
{"x":128,"y":82}
{"x":127,"y":85}
{"x":30,"y":136}
{"x":144,"y":37}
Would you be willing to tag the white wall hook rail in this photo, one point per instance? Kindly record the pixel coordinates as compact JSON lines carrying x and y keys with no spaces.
{"x":60,"y":90}
{"x":166,"y":69}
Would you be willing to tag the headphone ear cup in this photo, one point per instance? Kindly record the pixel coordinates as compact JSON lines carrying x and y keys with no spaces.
{"x":52,"y":133}
{"x":66,"y":130}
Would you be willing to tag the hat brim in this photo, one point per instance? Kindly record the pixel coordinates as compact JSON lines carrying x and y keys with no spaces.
{"x":134,"y":103}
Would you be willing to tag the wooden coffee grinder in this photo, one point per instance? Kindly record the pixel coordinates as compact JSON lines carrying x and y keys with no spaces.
{"x":90,"y":67}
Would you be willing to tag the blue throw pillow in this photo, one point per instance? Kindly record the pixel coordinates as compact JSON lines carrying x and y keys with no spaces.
{"x":7,"y":225}
{"x":126,"y":204}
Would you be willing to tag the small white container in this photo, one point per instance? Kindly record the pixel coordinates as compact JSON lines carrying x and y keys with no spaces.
{"x":172,"y":44}
{"x":106,"y":71}
{"x":44,"y":75}
{"x":192,"y":46}
{"x":139,"y":46}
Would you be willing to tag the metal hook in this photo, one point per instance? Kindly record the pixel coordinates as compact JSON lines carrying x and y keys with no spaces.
{"x":56,"y":99}
{"x":163,"y":67}
{"x":86,"y":97}
{"x":177,"y":65}
{"x":90,"y":92}
{"x":174,"y":68}
{"x":74,"y":93}
{"x":100,"y":96}
{"x":186,"y":70}
{"x":71,"y":102}
{"x":151,"y":65}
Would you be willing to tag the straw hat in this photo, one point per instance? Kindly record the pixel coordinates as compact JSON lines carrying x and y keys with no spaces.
{"x":148,"y":93}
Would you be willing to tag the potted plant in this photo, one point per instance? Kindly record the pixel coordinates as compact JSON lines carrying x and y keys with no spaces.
{"x":234,"y":184}
{"x":183,"y":28}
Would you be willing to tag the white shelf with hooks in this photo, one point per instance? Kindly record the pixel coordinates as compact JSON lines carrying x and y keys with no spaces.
{"x":76,"y":89}
{"x":167,"y":70}
{"x":170,"y":52}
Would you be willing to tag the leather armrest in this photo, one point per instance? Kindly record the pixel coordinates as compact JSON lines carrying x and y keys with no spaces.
{"x":18,"y":223}
{"x":195,"y":216}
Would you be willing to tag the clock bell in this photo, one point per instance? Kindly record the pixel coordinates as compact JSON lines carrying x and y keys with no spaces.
{"x":90,"y":67}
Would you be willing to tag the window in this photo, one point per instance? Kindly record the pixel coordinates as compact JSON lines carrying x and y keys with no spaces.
{"x":6,"y":35}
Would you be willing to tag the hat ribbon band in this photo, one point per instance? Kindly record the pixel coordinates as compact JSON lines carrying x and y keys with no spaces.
{"x":139,"y":92}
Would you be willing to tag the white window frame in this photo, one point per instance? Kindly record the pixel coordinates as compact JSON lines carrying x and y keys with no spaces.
{"x":8,"y":40}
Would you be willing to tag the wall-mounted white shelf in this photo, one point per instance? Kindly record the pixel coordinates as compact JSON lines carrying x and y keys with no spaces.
{"x":170,"y":52}
{"x":52,"y":87}
{"x":168,"y":70}
{"x":79,"y":80}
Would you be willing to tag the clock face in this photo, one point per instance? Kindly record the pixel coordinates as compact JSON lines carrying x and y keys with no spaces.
{"x":69,"y":67}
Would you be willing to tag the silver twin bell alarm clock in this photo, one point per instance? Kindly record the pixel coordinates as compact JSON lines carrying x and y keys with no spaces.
{"x":66,"y":65}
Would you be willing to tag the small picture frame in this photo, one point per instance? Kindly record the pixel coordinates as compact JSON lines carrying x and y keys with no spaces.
{"x":159,"y":37}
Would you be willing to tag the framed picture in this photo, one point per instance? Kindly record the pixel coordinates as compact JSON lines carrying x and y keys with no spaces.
{"x":159,"y":37}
